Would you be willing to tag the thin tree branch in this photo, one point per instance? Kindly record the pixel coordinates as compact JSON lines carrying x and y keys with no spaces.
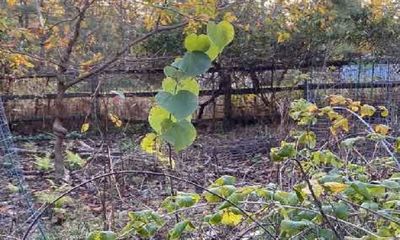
{"x":371,"y":130}
{"x":74,"y":38}
{"x":116,"y":57}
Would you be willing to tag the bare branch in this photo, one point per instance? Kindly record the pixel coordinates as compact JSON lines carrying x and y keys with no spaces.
{"x":75,"y":35}
{"x":116,"y":57}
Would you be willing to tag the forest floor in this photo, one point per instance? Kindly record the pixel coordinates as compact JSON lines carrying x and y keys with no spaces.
{"x":242,"y":153}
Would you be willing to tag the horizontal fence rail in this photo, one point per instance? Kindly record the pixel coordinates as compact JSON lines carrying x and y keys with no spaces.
{"x":240,"y":91}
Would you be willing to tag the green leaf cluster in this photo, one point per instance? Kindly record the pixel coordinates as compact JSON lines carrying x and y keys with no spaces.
{"x":171,"y":117}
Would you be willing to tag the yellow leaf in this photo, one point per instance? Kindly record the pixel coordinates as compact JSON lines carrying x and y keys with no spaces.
{"x":316,"y":187}
{"x":148,"y":143}
{"x":384,"y":111}
{"x":335,"y":187}
{"x":230,"y":218}
{"x":312,"y":108}
{"x":283,"y":37}
{"x":355,"y":106}
{"x":367,"y":110}
{"x":337,"y":100}
{"x":95,"y":59}
{"x":397,"y":145}
{"x":230,"y":17}
{"x":85,"y":127}
{"x":115,"y":119}
{"x":381,"y":129}
{"x":340,"y":124}
{"x":11,"y":2}
{"x":19,"y":59}
{"x":118,"y":123}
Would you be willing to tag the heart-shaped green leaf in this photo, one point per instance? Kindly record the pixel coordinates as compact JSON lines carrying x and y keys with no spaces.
{"x":190,"y":85}
{"x":173,"y":73}
{"x":177,"y":63}
{"x":156,"y":116}
{"x":179,"y":134}
{"x":213,"y":51}
{"x":171,"y":86}
{"x":200,"y":43}
{"x":194,"y":63}
{"x":221,"y":34}
{"x":181,"y":105}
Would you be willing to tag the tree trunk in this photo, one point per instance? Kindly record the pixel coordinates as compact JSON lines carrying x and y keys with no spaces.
{"x":59,"y":131}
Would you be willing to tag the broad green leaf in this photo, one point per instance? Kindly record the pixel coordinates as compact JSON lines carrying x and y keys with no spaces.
{"x":331,"y":178}
{"x":350,"y":142}
{"x":370,"y":205}
{"x":361,"y":189}
{"x":194,"y":43}
{"x":145,"y":223}
{"x":174,"y":72}
{"x":286,"y":197}
{"x":305,"y":215}
{"x":102,"y":235}
{"x":169,"y":85}
{"x":177,"y":63}
{"x":234,"y":198}
{"x":179,"y":134}
{"x":181,"y":105}
{"x":301,"y":195}
{"x":292,"y":227}
{"x":179,"y":229}
{"x":214,"y":219}
{"x":341,"y":210}
{"x":376,"y":190}
{"x":390,"y":184}
{"x":225,"y":180}
{"x":169,"y":204}
{"x":190,"y":85}
{"x":213,"y":51}
{"x":187,"y":199}
{"x":287,"y":150}
{"x":221,"y":34}
{"x":157,"y":115}
{"x":223,"y":191}
{"x":194,"y":63}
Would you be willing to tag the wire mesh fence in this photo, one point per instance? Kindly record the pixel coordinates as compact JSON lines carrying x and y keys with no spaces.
{"x":13,"y":170}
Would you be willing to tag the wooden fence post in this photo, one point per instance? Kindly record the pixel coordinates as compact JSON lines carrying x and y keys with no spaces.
{"x":95,"y":104}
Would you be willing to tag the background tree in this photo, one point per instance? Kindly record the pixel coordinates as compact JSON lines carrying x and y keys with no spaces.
{"x":78,"y":40}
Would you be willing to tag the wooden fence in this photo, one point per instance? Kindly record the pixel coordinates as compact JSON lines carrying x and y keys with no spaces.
{"x":30,"y":108}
